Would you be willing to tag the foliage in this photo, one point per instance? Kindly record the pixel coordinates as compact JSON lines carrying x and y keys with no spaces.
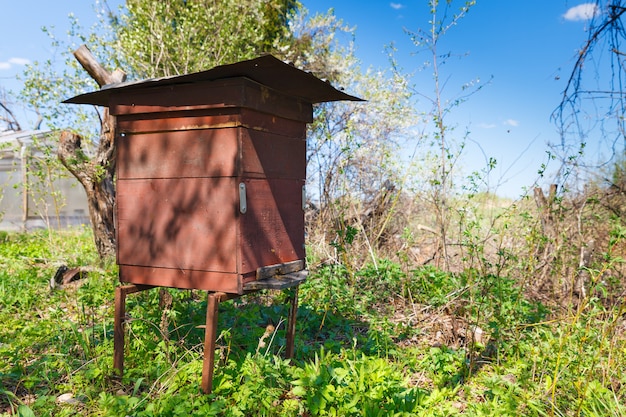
{"x":8,"y":121}
{"x":353,"y":148}
{"x":48,"y":83}
{"x":150,"y":39}
{"x":354,"y":358}
{"x":145,"y":28}
{"x":354,"y":385}
{"x":141,"y":40}
{"x":157,"y":39}
{"x":445,"y":145}
{"x":526,"y":316}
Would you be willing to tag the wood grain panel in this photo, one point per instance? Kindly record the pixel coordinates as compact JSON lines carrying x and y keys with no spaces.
{"x":175,"y":278}
{"x":232,"y":92}
{"x":266,"y":155}
{"x":272,"y":230}
{"x":210,"y":119}
{"x":211,"y":153}
{"x":179,"y":120}
{"x":182,"y":151}
{"x":180,"y":154}
{"x":267,"y":122}
{"x":183,"y":224}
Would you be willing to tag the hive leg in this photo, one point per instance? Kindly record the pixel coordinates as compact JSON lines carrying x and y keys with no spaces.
{"x":118,"y":323}
{"x":291,"y":324}
{"x":118,"y":330}
{"x":210,"y":334}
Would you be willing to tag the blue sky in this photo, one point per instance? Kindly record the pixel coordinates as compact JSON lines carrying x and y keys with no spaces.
{"x":526,"y":49}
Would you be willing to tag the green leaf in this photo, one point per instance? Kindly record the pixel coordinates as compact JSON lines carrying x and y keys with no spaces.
{"x":25,"y":411}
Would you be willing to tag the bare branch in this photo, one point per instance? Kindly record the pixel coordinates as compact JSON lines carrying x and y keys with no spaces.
{"x":95,"y":70}
{"x":11,"y":120}
{"x":576,"y":99}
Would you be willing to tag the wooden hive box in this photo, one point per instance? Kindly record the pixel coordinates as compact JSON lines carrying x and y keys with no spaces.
{"x":211,"y":169}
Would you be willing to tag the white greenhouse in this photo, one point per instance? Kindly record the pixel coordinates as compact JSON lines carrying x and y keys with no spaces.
{"x":33,"y":193}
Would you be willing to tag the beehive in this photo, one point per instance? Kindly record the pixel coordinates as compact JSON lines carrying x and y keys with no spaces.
{"x":211,"y":170}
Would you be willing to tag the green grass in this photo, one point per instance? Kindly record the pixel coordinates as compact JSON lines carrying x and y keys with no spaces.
{"x":381,"y":341}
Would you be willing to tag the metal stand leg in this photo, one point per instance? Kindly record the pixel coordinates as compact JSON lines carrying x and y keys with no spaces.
{"x":291,"y":324}
{"x":118,"y":330}
{"x":213,"y":300}
{"x":208,"y":365}
{"x":118,"y":324}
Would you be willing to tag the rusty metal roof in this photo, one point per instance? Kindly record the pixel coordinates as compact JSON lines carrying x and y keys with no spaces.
{"x":267,"y":70}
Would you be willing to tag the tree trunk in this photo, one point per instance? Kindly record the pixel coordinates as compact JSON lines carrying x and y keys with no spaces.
{"x":546,"y":209}
{"x":96,"y":174}
{"x":97,"y":180}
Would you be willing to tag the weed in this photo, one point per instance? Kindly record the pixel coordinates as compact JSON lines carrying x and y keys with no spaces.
{"x":365,"y":347}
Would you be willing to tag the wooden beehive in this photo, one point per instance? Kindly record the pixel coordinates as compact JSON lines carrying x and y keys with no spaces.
{"x":211,"y":169}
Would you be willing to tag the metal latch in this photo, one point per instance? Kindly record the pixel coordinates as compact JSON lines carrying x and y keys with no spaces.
{"x":243,"y":207}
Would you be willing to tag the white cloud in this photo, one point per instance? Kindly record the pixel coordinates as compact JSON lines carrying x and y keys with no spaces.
{"x":5,"y":65}
{"x":511,"y":122}
{"x":583,"y":11}
{"x":486,"y":125}
{"x":396,"y":6}
{"x":19,"y":61}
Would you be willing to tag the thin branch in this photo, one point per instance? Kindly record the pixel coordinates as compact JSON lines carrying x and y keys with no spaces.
{"x":11,"y":121}
{"x":574,"y":78}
